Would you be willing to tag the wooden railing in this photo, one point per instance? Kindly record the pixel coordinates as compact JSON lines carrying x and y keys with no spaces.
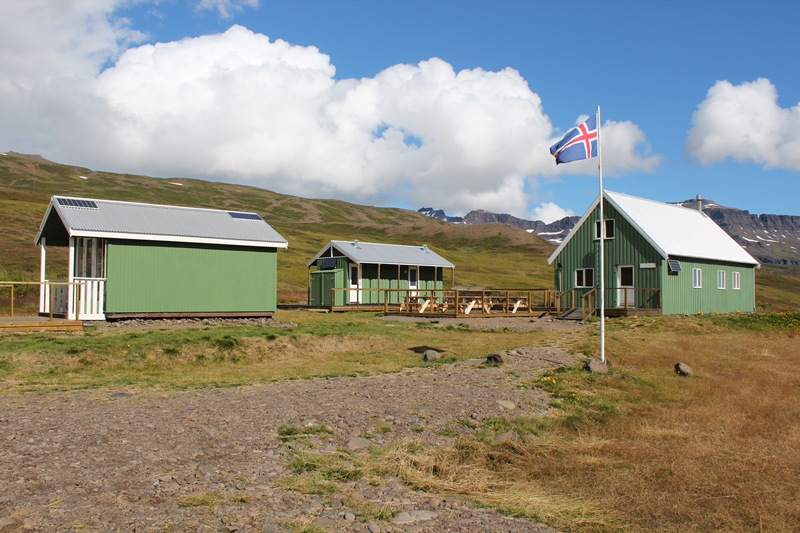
{"x":564,"y":300}
{"x":466,"y":302}
{"x":645,"y":298}
{"x":589,"y":303}
{"x":52,"y":295}
{"x":81,"y":299}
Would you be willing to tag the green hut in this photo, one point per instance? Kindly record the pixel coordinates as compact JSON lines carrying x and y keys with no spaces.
{"x":658,"y":258}
{"x":353,"y":272}
{"x":130,"y":259}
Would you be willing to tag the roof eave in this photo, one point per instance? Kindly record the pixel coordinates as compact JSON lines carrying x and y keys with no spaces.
{"x":176,"y":238}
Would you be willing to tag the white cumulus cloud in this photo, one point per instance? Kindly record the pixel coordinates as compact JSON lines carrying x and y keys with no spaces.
{"x":550,"y":212}
{"x":240,"y":107}
{"x":745,"y":122}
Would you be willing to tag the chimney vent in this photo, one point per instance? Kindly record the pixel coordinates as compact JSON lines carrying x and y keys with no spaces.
{"x":699,"y":203}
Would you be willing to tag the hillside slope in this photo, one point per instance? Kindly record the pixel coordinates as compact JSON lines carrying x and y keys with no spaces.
{"x":495,"y":255}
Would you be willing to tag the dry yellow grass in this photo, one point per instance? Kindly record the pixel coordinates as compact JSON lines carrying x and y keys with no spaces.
{"x":642,"y":449}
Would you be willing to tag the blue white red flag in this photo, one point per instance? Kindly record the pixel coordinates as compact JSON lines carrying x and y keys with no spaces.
{"x":578,"y":143}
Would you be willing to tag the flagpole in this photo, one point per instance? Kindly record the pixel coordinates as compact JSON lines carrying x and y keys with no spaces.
{"x":602,"y":247}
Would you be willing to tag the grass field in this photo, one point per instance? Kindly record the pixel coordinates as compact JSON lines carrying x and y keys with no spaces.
{"x":637,"y":449}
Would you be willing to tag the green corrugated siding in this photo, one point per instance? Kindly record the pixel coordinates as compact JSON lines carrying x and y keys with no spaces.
{"x":322,"y":281}
{"x":180,"y":277}
{"x":428,"y":278}
{"x":680,"y":297}
{"x":628,"y":247}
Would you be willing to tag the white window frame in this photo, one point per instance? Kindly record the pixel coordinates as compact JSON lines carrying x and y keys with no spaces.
{"x":697,"y":278}
{"x":610,"y":224}
{"x":736,"y":282}
{"x":583,"y":272}
{"x":721,"y":279}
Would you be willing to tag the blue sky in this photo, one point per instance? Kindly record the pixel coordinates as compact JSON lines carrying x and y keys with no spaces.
{"x":447,"y":104}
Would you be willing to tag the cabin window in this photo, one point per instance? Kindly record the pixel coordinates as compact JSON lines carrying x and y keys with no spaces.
{"x":737,"y":281}
{"x":697,"y":278}
{"x":584,"y":277}
{"x":720,"y":279}
{"x":609,"y":229}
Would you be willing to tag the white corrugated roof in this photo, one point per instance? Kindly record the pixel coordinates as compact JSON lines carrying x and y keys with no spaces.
{"x":386,"y":254}
{"x":83,"y":217}
{"x":674,"y":231}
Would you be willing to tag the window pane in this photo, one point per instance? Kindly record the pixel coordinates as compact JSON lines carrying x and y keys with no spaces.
{"x":589,"y":277}
{"x":579,"y":277}
{"x":697,"y":278}
{"x":610,"y":228}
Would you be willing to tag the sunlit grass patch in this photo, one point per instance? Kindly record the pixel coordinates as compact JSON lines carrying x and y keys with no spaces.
{"x":304,"y":526}
{"x":482,"y":472}
{"x":200,"y":499}
{"x":321,"y":473}
{"x":367,"y":511}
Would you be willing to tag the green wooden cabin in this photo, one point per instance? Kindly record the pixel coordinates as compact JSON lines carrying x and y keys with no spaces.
{"x":658,"y":258}
{"x":358,"y":270}
{"x":131,"y":259}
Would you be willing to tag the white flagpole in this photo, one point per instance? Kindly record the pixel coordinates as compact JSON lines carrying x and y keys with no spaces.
{"x":602,"y":246}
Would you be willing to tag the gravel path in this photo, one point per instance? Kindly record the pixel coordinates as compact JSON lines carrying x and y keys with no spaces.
{"x":121,"y":460}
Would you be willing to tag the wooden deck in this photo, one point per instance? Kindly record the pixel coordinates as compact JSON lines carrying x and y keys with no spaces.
{"x":629,"y":311}
{"x":34,"y":323}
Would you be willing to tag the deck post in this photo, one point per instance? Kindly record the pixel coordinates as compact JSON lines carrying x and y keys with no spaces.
{"x":42,"y":273}
{"x":70,"y":278}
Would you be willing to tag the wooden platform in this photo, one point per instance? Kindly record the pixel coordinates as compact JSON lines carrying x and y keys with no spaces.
{"x":629,"y":311}
{"x":34,"y":323}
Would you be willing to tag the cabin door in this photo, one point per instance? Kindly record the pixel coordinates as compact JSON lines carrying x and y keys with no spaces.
{"x":625,"y":292}
{"x":353,"y":284}
{"x":413,"y":283}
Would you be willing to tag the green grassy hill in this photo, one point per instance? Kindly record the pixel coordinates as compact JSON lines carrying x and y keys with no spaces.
{"x":493,"y":255}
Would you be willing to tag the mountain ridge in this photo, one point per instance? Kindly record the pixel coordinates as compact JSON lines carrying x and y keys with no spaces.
{"x":769,"y":238}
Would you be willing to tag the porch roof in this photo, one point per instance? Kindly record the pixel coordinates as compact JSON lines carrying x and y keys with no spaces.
{"x":385,"y":254}
{"x":674,"y":231}
{"x":81,"y":217}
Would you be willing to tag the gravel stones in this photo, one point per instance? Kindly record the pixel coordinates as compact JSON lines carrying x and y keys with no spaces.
{"x":211,"y":460}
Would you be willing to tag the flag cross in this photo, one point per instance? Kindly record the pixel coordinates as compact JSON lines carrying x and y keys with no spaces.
{"x":585,"y":137}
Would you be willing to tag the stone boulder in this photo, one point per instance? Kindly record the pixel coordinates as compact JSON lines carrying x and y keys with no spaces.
{"x":498,"y":357}
{"x":682,"y":369}
{"x":430,"y":355}
{"x":596,"y":366}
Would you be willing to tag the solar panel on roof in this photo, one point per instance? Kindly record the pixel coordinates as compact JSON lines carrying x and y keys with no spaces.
{"x":328,"y":263}
{"x":74,"y":202}
{"x":244,"y":216}
{"x":674,"y":265}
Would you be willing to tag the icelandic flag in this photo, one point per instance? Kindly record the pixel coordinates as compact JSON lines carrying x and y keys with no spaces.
{"x":578,"y":143}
